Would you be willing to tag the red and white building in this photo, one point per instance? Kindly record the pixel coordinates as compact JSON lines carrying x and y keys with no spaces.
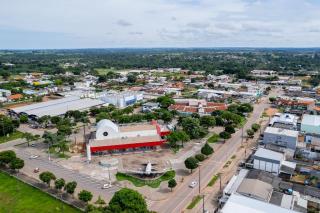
{"x":109,"y":136}
{"x":202,"y":107}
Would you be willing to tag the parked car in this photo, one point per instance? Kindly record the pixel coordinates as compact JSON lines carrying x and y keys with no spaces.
{"x":106,"y":186}
{"x":36,"y":170}
{"x":33,"y":156}
{"x":193,"y":184}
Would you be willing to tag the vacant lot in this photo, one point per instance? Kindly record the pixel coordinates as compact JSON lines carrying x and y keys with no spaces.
{"x":16,"y":196}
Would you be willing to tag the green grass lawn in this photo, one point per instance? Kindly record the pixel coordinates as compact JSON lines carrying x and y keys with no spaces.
{"x":155,"y":183}
{"x":17,"y":197}
{"x":194,"y":202}
{"x":214,"y":179}
{"x":12,"y":136}
{"x":214,"y":138}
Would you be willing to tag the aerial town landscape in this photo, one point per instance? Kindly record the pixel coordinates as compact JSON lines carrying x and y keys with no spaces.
{"x":163,"y":128}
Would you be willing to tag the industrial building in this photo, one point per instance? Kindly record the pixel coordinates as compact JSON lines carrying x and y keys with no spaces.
{"x":121,"y":99}
{"x":273,"y":162}
{"x":58,"y":107}
{"x":111,"y":137}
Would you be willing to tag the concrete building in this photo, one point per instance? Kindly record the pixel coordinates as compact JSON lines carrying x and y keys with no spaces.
{"x":284,"y":121}
{"x":310,"y":124}
{"x":5,"y":93}
{"x":111,"y":137}
{"x":273,"y":162}
{"x":281,"y":137}
{"x":121,"y":99}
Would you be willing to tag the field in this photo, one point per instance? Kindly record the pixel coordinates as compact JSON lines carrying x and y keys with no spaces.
{"x":16,"y":197}
{"x":104,"y":71}
{"x":12,"y":136}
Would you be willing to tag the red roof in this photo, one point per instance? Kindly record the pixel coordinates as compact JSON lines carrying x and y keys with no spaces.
{"x":15,"y":97}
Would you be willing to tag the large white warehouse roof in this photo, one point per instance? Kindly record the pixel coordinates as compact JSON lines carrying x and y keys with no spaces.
{"x":58,"y":107}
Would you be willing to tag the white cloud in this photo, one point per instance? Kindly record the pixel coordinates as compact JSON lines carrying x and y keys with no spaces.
{"x":145,"y":23}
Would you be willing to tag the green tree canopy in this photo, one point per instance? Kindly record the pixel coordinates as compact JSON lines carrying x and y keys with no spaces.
{"x":191,"y":163}
{"x":207,"y":121}
{"x":207,"y":149}
{"x":85,"y":196}
{"x":7,"y":156}
{"x":70,"y":187}
{"x":16,"y":163}
{"x":172,"y":183}
{"x":127,"y":200}
{"x":59,"y":183}
{"x":165,"y":101}
{"x":46,"y":177}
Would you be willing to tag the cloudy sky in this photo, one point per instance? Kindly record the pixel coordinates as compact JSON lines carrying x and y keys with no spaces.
{"x":159,"y":23}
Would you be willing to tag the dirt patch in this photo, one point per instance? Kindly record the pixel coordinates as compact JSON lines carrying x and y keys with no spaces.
{"x":271,"y":111}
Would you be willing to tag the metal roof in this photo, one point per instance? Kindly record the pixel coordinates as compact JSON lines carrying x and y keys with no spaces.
{"x":268,"y":154}
{"x":59,"y":107}
{"x":239,"y":203}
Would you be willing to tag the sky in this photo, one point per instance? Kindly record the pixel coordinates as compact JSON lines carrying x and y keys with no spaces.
{"x":48,"y":24}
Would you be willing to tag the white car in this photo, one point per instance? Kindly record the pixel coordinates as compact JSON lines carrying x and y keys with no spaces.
{"x":33,"y":156}
{"x":106,"y":186}
{"x":193,"y":184}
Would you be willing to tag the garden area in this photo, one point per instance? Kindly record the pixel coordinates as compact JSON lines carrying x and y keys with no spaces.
{"x":138,"y":182}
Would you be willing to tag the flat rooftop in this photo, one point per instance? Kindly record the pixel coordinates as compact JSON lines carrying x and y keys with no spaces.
{"x":125,"y":140}
{"x":279,"y":131}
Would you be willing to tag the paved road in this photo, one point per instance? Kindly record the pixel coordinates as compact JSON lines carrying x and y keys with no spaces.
{"x":84,"y":181}
{"x":183,"y":194}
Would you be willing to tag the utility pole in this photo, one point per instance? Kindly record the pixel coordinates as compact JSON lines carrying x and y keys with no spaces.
{"x":203,"y":210}
{"x":199,"y":178}
{"x":242,"y":136}
{"x":220,"y":182}
{"x":49,"y":151}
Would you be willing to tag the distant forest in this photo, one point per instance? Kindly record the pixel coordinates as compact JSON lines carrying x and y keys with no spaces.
{"x":237,"y":61}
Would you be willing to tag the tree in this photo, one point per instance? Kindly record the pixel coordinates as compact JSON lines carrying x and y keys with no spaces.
{"x":172,"y":183}
{"x":230,"y":129}
{"x":192,"y":127}
{"x":127,"y":200}
{"x":59,"y":183}
{"x":16,"y":163}
{"x":250,"y":133}
{"x":191,"y":163}
{"x":207,"y":121}
{"x":177,"y":136}
{"x":70,"y":187}
{"x":255,"y":127}
{"x":46,"y":177}
{"x":207,"y":149}
{"x":200,"y":157}
{"x":272,"y":99}
{"x":85,"y":196}
{"x":165,"y":101}
{"x":7,"y":156}
{"x":64,"y":130}
{"x":131,"y":78}
{"x":225,"y":135}
{"x":29,"y":137}
{"x":100,"y":201}
{"x":23,"y":119}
